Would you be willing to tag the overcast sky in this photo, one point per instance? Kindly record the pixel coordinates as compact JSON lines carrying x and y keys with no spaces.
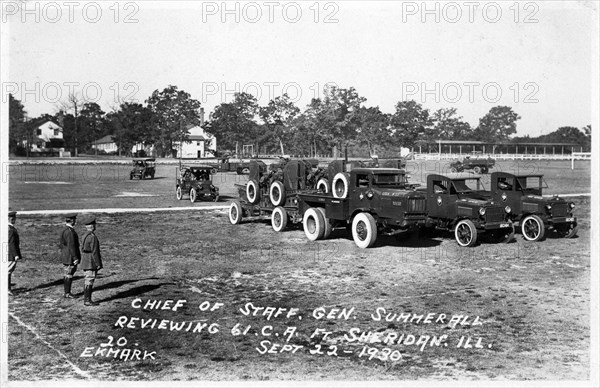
{"x":533,"y":56}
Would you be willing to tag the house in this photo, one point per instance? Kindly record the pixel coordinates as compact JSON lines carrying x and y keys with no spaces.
{"x":200,"y":144}
{"x":47,"y":137}
{"x":106,"y":144}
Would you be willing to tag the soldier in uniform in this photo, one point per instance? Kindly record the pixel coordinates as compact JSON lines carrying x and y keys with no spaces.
{"x":69,"y":252}
{"x":14,"y":247}
{"x":91,"y":260}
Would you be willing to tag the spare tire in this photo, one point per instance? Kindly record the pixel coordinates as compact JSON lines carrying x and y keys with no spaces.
{"x":340,"y":185}
{"x":252,"y":193}
{"x":277,"y":193}
{"x":323,"y":185}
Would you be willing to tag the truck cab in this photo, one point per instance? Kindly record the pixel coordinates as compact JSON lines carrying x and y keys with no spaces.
{"x":533,"y":213}
{"x":371,"y":201}
{"x":459,"y":202}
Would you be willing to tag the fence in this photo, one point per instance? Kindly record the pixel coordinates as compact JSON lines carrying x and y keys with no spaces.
{"x":572,"y":157}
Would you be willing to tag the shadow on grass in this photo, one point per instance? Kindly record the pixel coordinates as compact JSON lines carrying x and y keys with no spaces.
{"x":119,"y":283}
{"x":55,"y":283}
{"x":132,"y":292}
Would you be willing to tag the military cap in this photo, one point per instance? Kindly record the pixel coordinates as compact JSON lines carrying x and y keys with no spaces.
{"x":71,"y":216}
{"x":89,"y":220}
{"x":12,"y":214}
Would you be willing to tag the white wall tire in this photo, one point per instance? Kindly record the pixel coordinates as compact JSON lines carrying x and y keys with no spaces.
{"x":313,"y":224}
{"x":465,"y":233}
{"x":178,"y":193}
{"x":328,"y":228}
{"x":193,"y":195}
{"x":252,"y":191}
{"x":277,"y":193}
{"x":339,"y":185}
{"x":533,"y":228}
{"x":364,"y":230}
{"x":279,"y":219}
{"x":235,"y":213}
{"x":323,"y":185}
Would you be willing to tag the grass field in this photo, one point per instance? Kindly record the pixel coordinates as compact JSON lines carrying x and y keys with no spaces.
{"x":527,"y":304}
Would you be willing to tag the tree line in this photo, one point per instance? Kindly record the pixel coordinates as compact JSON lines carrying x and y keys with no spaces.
{"x":339,"y":120}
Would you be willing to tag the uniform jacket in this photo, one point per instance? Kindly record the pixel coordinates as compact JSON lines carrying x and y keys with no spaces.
{"x":14,"y":245}
{"x":69,"y":246}
{"x":91,"y":258}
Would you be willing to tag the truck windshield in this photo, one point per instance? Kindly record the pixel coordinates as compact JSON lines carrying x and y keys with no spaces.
{"x":531,"y":184}
{"x":389,"y":180}
{"x":465,"y":186}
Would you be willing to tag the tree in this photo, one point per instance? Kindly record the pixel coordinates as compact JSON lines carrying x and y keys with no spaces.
{"x":71,"y":133}
{"x":130,"y":125}
{"x":497,"y":125}
{"x":278,"y":116}
{"x":17,"y":130}
{"x":410,"y":122}
{"x":374,"y":129}
{"x":449,"y":126}
{"x":174,"y":110}
{"x":234,"y":123}
{"x":92,"y":122}
{"x":341,"y":119}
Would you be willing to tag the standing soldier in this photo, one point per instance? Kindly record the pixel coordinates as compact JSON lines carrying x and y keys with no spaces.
{"x":14,"y":247}
{"x":69,"y":252}
{"x":91,"y":260}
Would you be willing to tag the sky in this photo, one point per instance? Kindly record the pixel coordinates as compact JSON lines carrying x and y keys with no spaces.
{"x":536,"y":57}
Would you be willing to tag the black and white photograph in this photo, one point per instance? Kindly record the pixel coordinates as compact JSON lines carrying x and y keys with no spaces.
{"x":299,"y":193}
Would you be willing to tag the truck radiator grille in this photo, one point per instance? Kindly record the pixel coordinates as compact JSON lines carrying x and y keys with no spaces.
{"x":494,"y":214}
{"x":416,"y":205}
{"x":560,"y":210}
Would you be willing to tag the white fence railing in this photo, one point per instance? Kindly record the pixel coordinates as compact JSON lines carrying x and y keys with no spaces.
{"x":573,"y":156}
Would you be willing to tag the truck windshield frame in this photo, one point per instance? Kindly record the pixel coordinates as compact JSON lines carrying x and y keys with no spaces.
{"x":389,"y":180}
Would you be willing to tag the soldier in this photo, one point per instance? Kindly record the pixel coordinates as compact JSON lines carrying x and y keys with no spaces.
{"x":69,"y":252}
{"x":14,"y":247}
{"x":91,"y":260}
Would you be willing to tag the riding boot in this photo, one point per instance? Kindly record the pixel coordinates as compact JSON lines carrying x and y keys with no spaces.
{"x":67,"y":285}
{"x":87,"y":292}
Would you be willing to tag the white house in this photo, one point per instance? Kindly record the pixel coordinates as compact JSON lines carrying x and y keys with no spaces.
{"x":200,"y":144}
{"x":106,"y":144}
{"x":48,"y":136}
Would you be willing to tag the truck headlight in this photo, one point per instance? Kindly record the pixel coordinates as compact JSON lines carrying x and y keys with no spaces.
{"x":571,"y":205}
{"x":369,"y":194}
{"x":507,"y":209}
{"x":482,"y":211}
{"x":549,"y":207}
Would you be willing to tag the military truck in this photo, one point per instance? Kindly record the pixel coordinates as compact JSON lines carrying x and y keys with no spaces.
{"x":367,"y":201}
{"x":459,"y":203}
{"x":531,"y":212}
{"x":477,"y":164}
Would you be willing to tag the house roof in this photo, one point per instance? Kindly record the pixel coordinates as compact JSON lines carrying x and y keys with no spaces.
{"x":196,"y":137}
{"x":105,"y":140}
{"x":41,"y":121}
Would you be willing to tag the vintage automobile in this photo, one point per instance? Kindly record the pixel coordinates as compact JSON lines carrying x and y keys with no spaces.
{"x":366,"y":201}
{"x":143,"y":168}
{"x":196,"y":181}
{"x":533,"y":213}
{"x":477,"y":165}
{"x":458,"y":202}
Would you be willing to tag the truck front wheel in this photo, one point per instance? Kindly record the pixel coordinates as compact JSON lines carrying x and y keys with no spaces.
{"x":465,"y":233}
{"x":364,"y":230}
{"x":532,"y":228}
{"x":179,"y":193}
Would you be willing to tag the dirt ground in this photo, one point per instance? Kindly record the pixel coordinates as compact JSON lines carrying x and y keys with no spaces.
{"x":259,"y":305}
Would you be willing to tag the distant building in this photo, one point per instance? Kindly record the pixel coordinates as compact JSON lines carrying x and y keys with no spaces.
{"x":47,"y":138}
{"x":106,"y":144}
{"x":199,"y":145}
